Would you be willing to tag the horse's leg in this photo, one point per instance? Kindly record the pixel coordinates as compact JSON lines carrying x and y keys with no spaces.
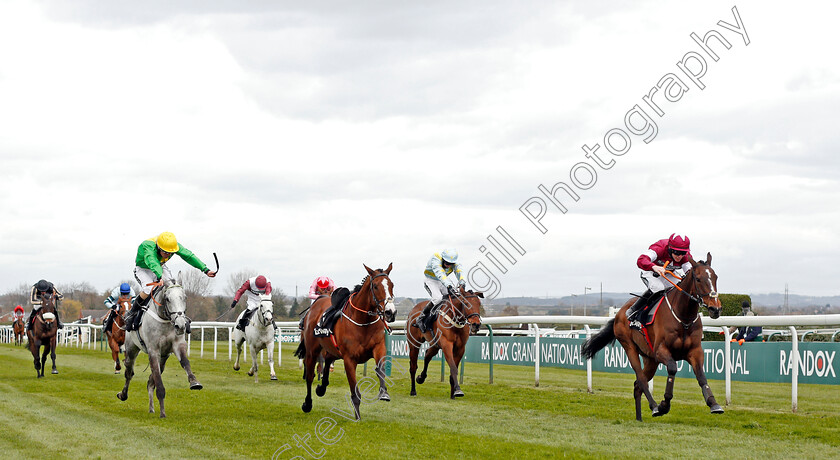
{"x":44,"y":357}
{"x":321,"y":389}
{"x":131,"y":351}
{"x":309,"y":373}
{"x":413,"y":354}
{"x":115,"y":352}
{"x":238,"y":342}
{"x":695,"y":358}
{"x":663,"y":355}
{"x":52,"y":354}
{"x":457,"y":354}
{"x":270,"y":348}
{"x":454,"y":387}
{"x":350,"y":369}
{"x":180,"y":351}
{"x":156,"y":383}
{"x":430,"y":354}
{"x":254,"y":363}
{"x":379,"y":356}
{"x":35,"y":349}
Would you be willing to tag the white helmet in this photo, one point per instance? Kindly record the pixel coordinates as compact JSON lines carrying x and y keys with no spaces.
{"x":449,"y":256}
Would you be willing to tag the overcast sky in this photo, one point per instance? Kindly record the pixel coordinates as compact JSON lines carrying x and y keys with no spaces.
{"x":305,"y":139}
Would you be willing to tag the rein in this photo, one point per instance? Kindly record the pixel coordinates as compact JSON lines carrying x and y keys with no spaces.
{"x":694,"y":298}
{"x":166,"y":312}
{"x":460,"y":321}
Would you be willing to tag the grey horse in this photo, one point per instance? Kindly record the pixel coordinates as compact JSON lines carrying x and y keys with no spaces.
{"x":161,"y":333}
{"x":259,"y":333}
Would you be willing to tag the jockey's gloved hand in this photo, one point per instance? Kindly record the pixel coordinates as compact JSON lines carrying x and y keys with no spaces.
{"x":451,"y":289}
{"x":233,"y":304}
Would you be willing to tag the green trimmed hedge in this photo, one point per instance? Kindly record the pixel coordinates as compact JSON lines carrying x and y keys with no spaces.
{"x":731,"y":306}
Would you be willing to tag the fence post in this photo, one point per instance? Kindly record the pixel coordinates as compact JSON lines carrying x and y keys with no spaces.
{"x":536,"y":355}
{"x":215,"y":340}
{"x":727,"y":348}
{"x":201,"y":355}
{"x":794,"y":364}
{"x":489,"y":327}
{"x":230,"y":344}
{"x":588,"y":362}
{"x":189,"y":343}
{"x":442,"y":363}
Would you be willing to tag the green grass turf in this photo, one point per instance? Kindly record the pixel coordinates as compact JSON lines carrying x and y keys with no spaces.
{"x":76,"y":414}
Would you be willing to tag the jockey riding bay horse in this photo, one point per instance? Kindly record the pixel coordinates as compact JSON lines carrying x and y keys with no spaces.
{"x":449,"y":333}
{"x":675,"y":335}
{"x":358,"y":336}
{"x":19,"y":329}
{"x":43,"y":332}
{"x":116,"y":335}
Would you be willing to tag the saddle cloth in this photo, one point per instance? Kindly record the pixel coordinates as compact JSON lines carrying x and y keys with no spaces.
{"x":326,"y":323}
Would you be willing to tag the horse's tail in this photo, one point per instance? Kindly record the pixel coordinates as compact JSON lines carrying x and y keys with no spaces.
{"x":301,"y":349}
{"x":598,"y":341}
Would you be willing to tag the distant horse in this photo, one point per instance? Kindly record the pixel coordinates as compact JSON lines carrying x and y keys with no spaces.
{"x":674,"y":335}
{"x":259,"y":333}
{"x":116,"y":335}
{"x":19,"y":329}
{"x":161,"y":333}
{"x":449,"y":333}
{"x":43,"y":332}
{"x":358,"y":336}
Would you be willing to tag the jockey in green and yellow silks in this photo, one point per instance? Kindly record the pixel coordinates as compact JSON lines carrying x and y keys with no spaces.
{"x":152,"y":255}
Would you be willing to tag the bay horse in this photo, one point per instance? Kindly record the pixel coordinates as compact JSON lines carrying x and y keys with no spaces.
{"x":449,"y":333}
{"x":160,"y":333}
{"x":43,"y":332}
{"x":675,"y":334}
{"x":259,"y":333}
{"x":356,"y":336}
{"x":116,"y":335}
{"x":19,"y":328}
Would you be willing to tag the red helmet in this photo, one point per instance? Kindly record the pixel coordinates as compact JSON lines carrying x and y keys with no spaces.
{"x":678,"y":243}
{"x":323,"y":282}
{"x":18,"y":308}
{"x":261,"y":283}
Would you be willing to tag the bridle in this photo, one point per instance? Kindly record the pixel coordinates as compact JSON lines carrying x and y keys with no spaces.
{"x":263,"y":321}
{"x":460,"y":320}
{"x":167,"y":315}
{"x":698,"y":299}
{"x":379,"y":305}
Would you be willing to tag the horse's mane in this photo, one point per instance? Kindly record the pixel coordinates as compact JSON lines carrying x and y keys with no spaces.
{"x":358,"y":287}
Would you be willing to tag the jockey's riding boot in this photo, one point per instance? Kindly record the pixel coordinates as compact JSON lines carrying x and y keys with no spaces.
{"x":300,"y":324}
{"x":420,"y":322}
{"x":133,"y":316}
{"x":29,"y":320}
{"x":242,"y":322}
{"x":639,"y":306}
{"x":106,"y":325}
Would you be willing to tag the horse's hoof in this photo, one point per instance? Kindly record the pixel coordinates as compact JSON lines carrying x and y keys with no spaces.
{"x":716,"y":409}
{"x":196,"y":386}
{"x":55,"y":371}
{"x":458,"y":394}
{"x":250,"y":373}
{"x":384,"y":396}
{"x":320,"y":391}
{"x":39,"y":376}
{"x":413,"y":393}
{"x":236,"y":368}
{"x":121,"y":397}
{"x":273,"y":377}
{"x":420,"y":379}
{"x":162,"y":415}
{"x":655,"y":412}
{"x":116,"y":372}
{"x":307,"y":406}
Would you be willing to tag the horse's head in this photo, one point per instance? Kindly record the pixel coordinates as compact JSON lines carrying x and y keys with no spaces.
{"x":470,"y":307}
{"x":175,"y":306}
{"x":124,"y":303}
{"x":382,"y":292}
{"x":266,"y":309}
{"x":702,"y":283}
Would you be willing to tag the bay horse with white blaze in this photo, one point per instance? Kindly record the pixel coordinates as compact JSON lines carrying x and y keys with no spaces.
{"x":43,"y":332}
{"x":116,"y":335}
{"x":356,"y":336}
{"x":449,"y":333}
{"x":675,"y":334}
{"x":160,"y":333}
{"x":19,"y":328}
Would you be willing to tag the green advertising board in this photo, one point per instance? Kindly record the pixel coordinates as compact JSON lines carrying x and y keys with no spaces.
{"x":752,"y":362}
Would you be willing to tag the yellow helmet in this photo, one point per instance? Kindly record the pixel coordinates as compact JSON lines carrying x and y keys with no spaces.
{"x":166,"y":241}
